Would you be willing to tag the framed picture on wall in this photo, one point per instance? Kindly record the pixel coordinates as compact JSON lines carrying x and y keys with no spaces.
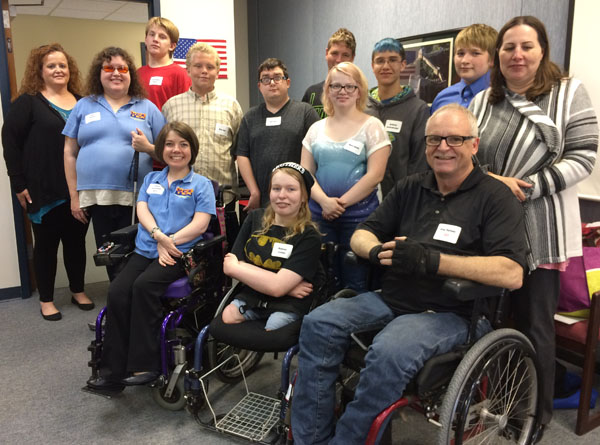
{"x":429,"y":63}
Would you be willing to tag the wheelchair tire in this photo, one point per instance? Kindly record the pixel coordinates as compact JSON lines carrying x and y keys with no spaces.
{"x":493,"y":395}
{"x":230,"y":373}
{"x":177,"y":400}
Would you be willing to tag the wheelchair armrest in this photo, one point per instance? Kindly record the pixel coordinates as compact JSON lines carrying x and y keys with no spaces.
{"x":118,"y":246}
{"x":206,"y":244}
{"x":467,"y":290}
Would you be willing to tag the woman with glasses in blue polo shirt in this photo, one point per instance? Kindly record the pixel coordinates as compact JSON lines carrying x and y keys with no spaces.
{"x":102,"y":134}
{"x":174,"y":208}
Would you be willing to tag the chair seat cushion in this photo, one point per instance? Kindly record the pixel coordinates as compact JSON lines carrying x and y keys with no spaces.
{"x":252,"y":335}
{"x":576,"y":331}
{"x":178,"y":289}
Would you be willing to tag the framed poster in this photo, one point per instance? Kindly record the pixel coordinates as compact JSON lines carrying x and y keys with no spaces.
{"x":429,"y":63}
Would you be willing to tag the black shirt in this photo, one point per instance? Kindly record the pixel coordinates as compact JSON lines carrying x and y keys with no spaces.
{"x":490,"y":219}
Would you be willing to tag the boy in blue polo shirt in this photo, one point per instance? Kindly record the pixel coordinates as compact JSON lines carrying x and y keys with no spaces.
{"x":473,"y":58}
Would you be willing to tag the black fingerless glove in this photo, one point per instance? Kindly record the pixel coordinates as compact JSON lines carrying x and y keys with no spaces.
{"x":410,"y":257}
{"x":373,"y":258}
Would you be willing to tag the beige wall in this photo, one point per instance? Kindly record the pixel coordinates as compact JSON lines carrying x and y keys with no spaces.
{"x":82,"y":39}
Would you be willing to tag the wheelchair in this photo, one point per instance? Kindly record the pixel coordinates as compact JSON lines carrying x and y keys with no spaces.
{"x":257,"y":417}
{"x":484,"y":391}
{"x":189,"y":304}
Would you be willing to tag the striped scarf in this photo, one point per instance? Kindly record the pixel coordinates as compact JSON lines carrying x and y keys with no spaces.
{"x":550,"y":142}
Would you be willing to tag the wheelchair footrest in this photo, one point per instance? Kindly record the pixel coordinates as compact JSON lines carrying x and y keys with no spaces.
{"x":252,"y":418}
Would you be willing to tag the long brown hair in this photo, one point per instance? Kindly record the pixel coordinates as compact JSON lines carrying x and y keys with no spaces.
{"x":94,"y":85}
{"x":548,"y":72}
{"x":303,"y":219}
{"x":33,"y":82}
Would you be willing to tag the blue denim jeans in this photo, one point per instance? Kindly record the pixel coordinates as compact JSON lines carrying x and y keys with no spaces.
{"x":347,"y":275}
{"x":397,"y":353}
{"x":275,"y":320}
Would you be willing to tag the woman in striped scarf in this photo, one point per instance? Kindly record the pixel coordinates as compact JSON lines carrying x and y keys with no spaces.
{"x":539,"y":135}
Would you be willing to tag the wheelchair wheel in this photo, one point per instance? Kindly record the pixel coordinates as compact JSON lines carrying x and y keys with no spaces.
{"x":493,"y":395}
{"x":218,"y":352}
{"x":176,"y":401}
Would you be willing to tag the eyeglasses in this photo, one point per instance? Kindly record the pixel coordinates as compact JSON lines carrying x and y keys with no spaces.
{"x":276,"y":79}
{"x":335,"y":87}
{"x":111,"y":69}
{"x":452,"y":141}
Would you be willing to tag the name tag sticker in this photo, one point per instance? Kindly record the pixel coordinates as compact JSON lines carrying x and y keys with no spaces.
{"x":354,"y":146}
{"x":393,"y":126}
{"x":273,"y":121}
{"x":92,"y":117}
{"x":447,"y":233}
{"x":222,"y":129}
{"x":156,"y":80}
{"x":281,"y":250}
{"x":155,"y":189}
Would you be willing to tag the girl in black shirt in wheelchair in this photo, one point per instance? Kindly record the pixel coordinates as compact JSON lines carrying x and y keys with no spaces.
{"x":276,"y":254}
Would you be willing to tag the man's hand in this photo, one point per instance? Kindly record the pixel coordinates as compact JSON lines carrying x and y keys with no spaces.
{"x":302,"y":289}
{"x":24,"y":198}
{"x":407,"y":257}
{"x":253,"y":202}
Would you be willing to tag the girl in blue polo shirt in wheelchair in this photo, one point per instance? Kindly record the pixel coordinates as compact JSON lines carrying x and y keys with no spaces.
{"x":174,"y":209}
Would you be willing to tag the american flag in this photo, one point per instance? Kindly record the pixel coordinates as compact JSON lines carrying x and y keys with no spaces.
{"x":183,"y":45}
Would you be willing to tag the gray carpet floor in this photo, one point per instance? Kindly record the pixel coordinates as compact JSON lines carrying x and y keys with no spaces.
{"x":44,"y":365}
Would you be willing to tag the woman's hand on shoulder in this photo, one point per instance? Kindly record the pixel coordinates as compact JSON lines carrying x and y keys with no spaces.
{"x":332,"y":208}
{"x":514,"y":184}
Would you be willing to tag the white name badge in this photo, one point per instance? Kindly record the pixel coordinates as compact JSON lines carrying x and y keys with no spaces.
{"x":155,"y":189}
{"x":354,"y":146}
{"x":92,"y":117}
{"x":281,"y":250}
{"x":273,"y":121}
{"x":393,"y":126}
{"x":447,"y":233}
{"x":222,"y":129}
{"x":156,"y":80}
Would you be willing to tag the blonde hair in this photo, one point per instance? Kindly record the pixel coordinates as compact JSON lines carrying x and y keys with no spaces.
{"x":205,"y":48}
{"x":168,"y":26}
{"x":349,"y":69}
{"x":478,"y":35}
{"x":303,"y":219}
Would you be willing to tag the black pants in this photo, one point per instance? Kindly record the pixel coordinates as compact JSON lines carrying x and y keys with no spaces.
{"x":59,"y":225}
{"x":107,"y":219}
{"x":533,"y":308}
{"x":134,"y":315}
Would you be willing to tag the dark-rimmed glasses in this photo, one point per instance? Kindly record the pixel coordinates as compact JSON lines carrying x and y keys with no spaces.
{"x":275,"y":79}
{"x":335,"y":87}
{"x":453,"y":141}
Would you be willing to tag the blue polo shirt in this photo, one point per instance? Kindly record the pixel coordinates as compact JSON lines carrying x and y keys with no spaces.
{"x":105,"y":156}
{"x":173,"y":207}
{"x":460,"y":93}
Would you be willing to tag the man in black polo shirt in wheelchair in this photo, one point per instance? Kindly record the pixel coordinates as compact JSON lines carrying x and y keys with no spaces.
{"x":453,"y":221}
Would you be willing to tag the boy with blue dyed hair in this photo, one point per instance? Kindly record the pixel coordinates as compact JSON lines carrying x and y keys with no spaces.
{"x":401,"y":111}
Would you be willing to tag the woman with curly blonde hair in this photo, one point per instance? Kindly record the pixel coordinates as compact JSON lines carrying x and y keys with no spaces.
{"x":33,"y":150}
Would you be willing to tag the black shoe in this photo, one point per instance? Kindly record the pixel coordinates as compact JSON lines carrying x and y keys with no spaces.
{"x":83,"y":306}
{"x":52,"y":317}
{"x":105,"y":384}
{"x":141,"y":379}
{"x":538,"y":433}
